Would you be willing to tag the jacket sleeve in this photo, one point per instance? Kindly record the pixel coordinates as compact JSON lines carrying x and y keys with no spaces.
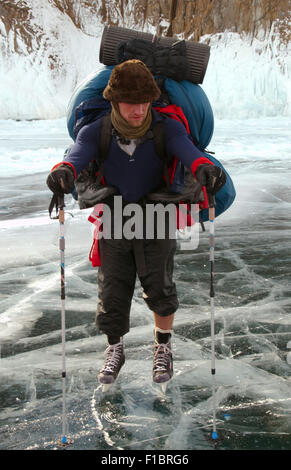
{"x":180,"y":145}
{"x":84,"y":150}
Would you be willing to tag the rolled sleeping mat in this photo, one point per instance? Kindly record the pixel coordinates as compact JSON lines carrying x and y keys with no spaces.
{"x":197,"y":54}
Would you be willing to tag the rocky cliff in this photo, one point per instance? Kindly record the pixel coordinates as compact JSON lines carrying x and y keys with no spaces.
{"x":195,"y":18}
{"x":189,"y":19}
{"x":55,"y":42}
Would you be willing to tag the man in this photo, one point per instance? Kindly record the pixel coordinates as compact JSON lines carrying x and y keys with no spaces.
{"x":133,"y":166}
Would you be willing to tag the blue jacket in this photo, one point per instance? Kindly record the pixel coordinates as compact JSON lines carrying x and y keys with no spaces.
{"x":143,"y":172}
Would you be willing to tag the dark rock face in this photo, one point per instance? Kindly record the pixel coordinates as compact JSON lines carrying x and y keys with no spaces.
{"x":188,"y":19}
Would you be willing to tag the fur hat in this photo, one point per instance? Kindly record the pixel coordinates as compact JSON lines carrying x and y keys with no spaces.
{"x":131,"y":82}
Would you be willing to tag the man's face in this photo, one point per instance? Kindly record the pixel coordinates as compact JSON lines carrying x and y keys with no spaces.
{"x":134,"y":114}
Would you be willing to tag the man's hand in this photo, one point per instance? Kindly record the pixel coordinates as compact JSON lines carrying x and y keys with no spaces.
{"x":61,"y":180}
{"x":210,"y":176}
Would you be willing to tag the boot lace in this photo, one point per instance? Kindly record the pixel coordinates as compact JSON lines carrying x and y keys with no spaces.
{"x":113,"y":355}
{"x":161,"y":356}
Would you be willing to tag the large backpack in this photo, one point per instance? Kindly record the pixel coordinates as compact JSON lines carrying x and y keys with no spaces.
{"x":188,"y":103}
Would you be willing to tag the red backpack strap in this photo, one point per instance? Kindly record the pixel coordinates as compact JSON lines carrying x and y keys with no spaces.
{"x":174,"y":112}
{"x":160,"y":148}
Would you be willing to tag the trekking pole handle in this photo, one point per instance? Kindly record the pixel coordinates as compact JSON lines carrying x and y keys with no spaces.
{"x":61,"y":203}
{"x":211,"y":206}
{"x":211,"y":200}
{"x":210,"y":195}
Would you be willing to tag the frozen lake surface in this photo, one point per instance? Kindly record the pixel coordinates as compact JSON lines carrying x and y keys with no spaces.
{"x":252,"y":310}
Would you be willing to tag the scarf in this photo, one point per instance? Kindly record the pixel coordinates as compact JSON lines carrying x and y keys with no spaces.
{"x":124,"y":128}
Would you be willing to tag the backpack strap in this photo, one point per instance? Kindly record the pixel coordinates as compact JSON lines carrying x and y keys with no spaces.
{"x":160,"y":148}
{"x":104,"y":144}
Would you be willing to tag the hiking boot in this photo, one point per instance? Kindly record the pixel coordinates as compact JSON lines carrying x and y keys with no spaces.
{"x":163,"y":363}
{"x":114,"y":361}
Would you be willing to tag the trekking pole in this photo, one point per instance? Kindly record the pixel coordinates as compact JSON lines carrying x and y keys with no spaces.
{"x":211,"y":205}
{"x":60,"y":205}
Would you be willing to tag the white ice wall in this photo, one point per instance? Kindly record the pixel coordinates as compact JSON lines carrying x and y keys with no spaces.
{"x":248,"y":78}
{"x":33,"y":86}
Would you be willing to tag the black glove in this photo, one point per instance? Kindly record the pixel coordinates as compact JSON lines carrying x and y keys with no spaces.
{"x":61,"y":180}
{"x":210,"y":176}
